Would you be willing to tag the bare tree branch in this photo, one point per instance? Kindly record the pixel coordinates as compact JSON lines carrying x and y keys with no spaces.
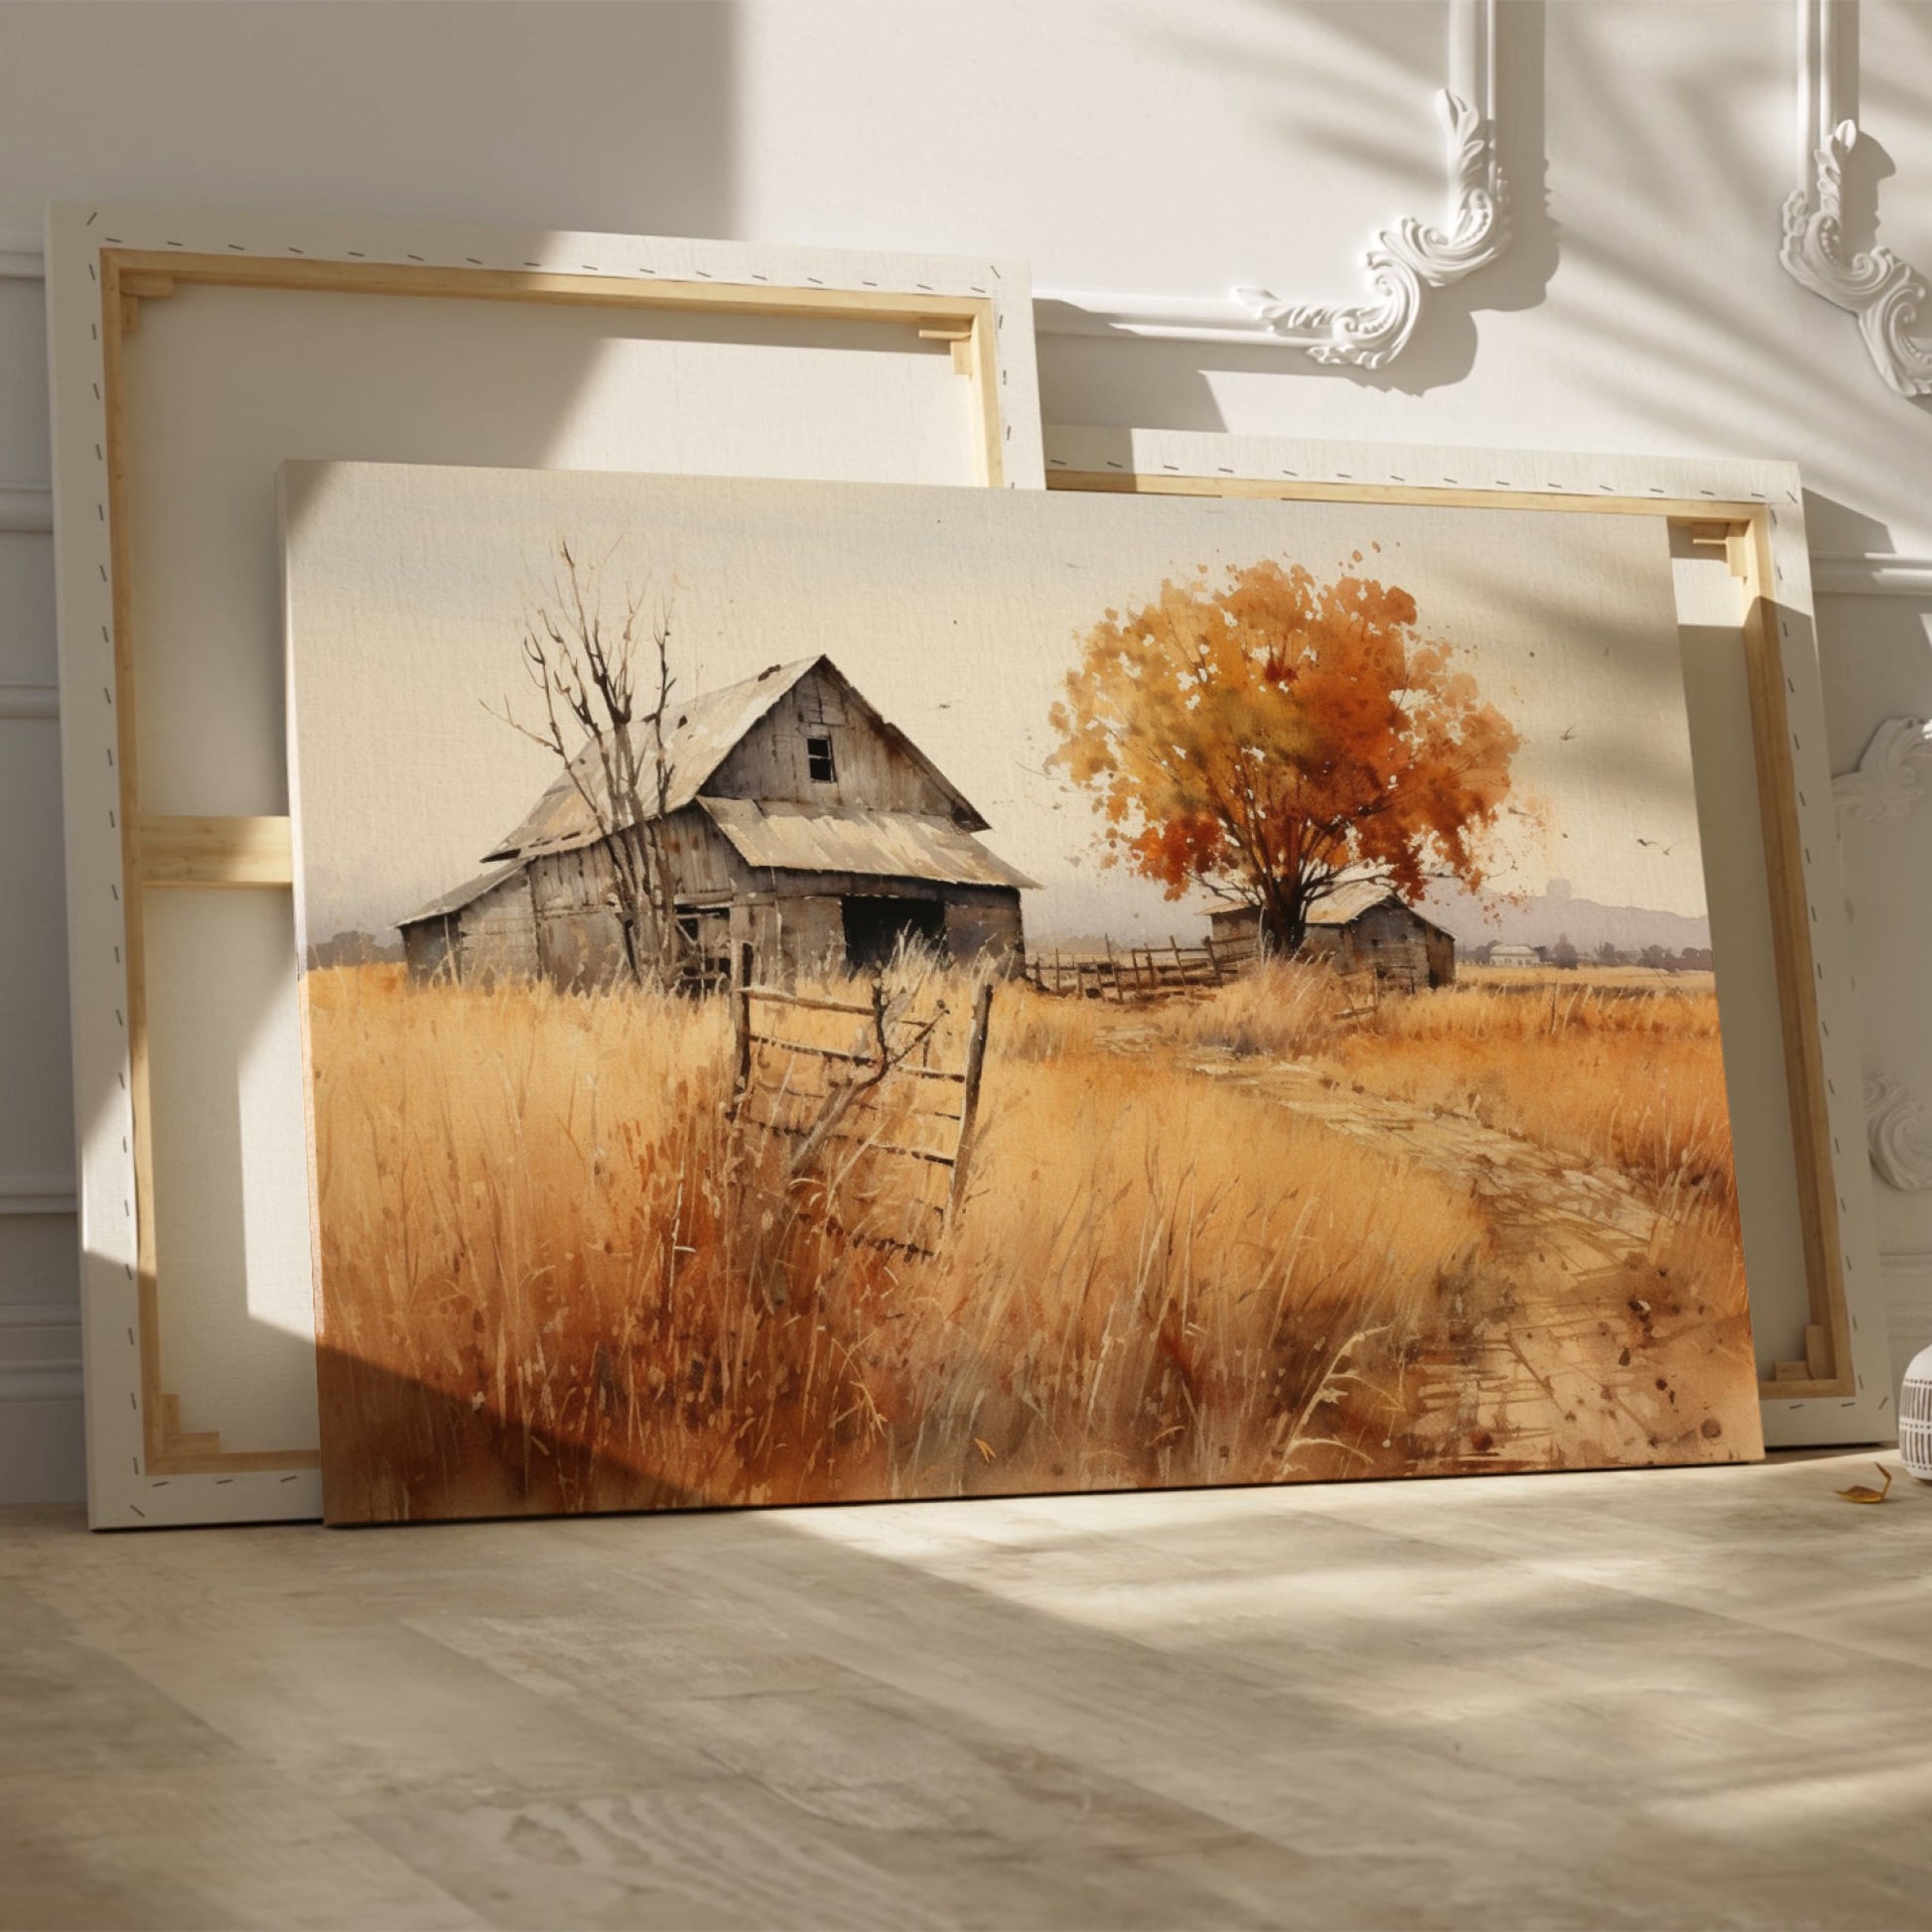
{"x":583,"y":668}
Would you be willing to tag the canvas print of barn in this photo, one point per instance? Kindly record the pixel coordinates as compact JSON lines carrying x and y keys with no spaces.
{"x":830,"y":992}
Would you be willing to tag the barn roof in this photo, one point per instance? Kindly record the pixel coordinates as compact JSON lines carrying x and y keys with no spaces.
{"x":459,"y":896}
{"x":1346,"y":904}
{"x":788,"y":837}
{"x":1350,"y":899}
{"x":707,"y":730}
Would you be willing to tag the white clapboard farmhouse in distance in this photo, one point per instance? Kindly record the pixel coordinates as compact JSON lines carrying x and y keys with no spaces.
{"x":797,"y":820}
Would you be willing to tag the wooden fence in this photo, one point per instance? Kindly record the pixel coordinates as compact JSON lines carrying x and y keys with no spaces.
{"x":881,"y":1120}
{"x":1125,"y":973}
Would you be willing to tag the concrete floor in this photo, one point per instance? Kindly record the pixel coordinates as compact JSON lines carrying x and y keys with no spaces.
{"x":1696,"y":1698}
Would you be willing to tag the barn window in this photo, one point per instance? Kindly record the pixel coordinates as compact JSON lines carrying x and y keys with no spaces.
{"x":818,"y":759}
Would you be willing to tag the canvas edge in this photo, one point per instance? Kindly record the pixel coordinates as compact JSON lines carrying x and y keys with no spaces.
{"x":121,"y":1494}
{"x":1866,"y":1414}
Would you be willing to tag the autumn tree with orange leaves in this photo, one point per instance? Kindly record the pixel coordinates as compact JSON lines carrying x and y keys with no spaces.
{"x":1269,"y":738}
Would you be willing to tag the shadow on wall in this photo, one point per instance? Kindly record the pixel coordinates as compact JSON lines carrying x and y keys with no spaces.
{"x":619,"y":115}
{"x":1877,"y":644}
{"x":1443,"y":348}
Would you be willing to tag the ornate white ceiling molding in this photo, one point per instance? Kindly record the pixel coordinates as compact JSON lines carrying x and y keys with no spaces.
{"x":1887,"y":294}
{"x":1899,"y":1132}
{"x":1405,"y":262}
{"x":1887,"y":785}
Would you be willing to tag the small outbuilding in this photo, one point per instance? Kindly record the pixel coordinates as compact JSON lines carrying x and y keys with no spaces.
{"x":1362,"y":924}
{"x":797,"y":820}
{"x":1515,"y":956}
{"x":479,"y":932}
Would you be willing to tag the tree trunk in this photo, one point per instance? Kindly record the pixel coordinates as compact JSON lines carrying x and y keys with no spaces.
{"x":1284,"y":918}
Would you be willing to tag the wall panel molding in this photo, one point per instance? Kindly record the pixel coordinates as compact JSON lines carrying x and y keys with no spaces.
{"x":36,"y":1194}
{"x":1871,"y":573}
{"x":39,"y":1351}
{"x":22,"y":258}
{"x":1885,"y":293}
{"x":1885,"y":787}
{"x":26,"y":508}
{"x":29,"y":701}
{"x":1406,"y":262}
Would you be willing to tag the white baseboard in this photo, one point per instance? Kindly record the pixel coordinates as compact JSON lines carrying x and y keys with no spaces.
{"x":41,"y":1448}
{"x":43,"y":1451}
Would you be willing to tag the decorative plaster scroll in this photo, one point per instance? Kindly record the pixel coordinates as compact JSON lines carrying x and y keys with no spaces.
{"x":1887,"y":785}
{"x":1898,"y":1130}
{"x":1404,"y":262}
{"x":1887,"y":294}
{"x":1407,"y":259}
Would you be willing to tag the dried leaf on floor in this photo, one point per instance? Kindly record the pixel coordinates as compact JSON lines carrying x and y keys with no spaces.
{"x":1862,"y":1492}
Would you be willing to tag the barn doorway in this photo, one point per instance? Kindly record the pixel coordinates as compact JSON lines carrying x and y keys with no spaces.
{"x":874,"y":927}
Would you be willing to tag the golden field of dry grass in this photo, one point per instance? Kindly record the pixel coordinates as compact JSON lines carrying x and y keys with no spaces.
{"x":1229,"y":1239}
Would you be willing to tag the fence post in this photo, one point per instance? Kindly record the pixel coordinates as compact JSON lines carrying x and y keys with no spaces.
{"x":1213,"y":964}
{"x":741,"y":1026}
{"x":969,"y":1105}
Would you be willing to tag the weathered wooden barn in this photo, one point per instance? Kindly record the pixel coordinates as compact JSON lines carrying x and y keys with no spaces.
{"x":1361,"y":924}
{"x":796,"y":819}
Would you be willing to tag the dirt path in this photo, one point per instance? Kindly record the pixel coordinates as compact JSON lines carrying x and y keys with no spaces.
{"x":1573,"y":1345}
{"x":1535,"y":1201}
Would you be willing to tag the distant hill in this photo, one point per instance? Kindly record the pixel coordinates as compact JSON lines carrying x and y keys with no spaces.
{"x":1475,"y":919}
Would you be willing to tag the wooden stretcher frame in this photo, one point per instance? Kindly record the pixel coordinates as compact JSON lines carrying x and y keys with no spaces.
{"x":104,"y":264}
{"x":1753,"y":512}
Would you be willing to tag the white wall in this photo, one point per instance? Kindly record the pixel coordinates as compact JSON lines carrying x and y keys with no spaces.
{"x":1121,"y":145}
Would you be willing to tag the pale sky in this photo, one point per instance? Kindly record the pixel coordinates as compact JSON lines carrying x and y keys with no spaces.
{"x":957,"y":612}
